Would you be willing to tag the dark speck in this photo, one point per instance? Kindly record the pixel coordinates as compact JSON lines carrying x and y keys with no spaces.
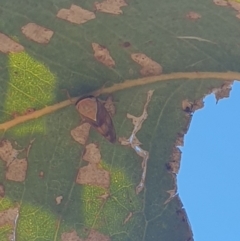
{"x":126,"y":44}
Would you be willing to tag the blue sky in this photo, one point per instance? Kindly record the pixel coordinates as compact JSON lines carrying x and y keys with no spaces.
{"x":209,"y":178}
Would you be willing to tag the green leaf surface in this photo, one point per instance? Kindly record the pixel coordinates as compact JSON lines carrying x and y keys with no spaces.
{"x":35,"y":79}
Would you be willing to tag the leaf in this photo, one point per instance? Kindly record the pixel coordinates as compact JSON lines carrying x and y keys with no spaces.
{"x":125,"y":49}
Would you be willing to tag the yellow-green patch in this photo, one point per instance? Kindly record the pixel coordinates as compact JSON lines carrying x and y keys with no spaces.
{"x":31,"y":86}
{"x":35,"y":223}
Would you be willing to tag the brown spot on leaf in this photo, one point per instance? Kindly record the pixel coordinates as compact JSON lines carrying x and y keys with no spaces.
{"x":102,"y":55}
{"x":110,"y":6}
{"x":41,"y":174}
{"x":37,"y":33}
{"x":8,"y":217}
{"x":92,"y":154}
{"x":96,"y":236}
{"x":187,"y":106}
{"x":81,"y":133}
{"x":76,"y":14}
{"x":7,"y":45}
{"x":70,"y":236}
{"x":59,"y":199}
{"x":16,"y":171}
{"x":2,"y":191}
{"x":93,"y":236}
{"x":220,"y":2}
{"x":223,"y":91}
{"x":126,"y":44}
{"x":190,"y":107}
{"x":16,"y":168}
{"x":193,"y":15}
{"x":180,"y":140}
{"x":198,"y":104}
{"x":174,"y":164}
{"x":92,"y":175}
{"x":149,"y":67}
{"x":234,"y":5}
{"x":109,"y":105}
{"x":7,"y":152}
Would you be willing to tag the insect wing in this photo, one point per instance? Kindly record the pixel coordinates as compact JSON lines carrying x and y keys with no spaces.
{"x":88,"y":108}
{"x":104,"y":123}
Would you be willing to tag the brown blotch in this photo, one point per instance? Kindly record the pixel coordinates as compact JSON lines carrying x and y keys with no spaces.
{"x":187,"y":106}
{"x":110,"y":6}
{"x":7,"y":45}
{"x":234,"y":5}
{"x":8,"y":217}
{"x":7,"y":152}
{"x":93,"y":236}
{"x":190,"y":107}
{"x":70,"y":236}
{"x":81,"y":133}
{"x":15,"y":168}
{"x":96,"y":236}
{"x":37,"y":33}
{"x":149,"y":67}
{"x":126,"y":44}
{"x":223,"y":91}
{"x":59,"y":199}
{"x":198,"y":104}
{"x":41,"y":174}
{"x":16,"y":171}
{"x":76,"y":14}
{"x":92,"y":175}
{"x":193,"y":15}
{"x":221,"y":2}
{"x":92,"y":154}
{"x":180,"y":140}
{"x":102,"y":55}
{"x":174,"y":164}
{"x":2,"y":191}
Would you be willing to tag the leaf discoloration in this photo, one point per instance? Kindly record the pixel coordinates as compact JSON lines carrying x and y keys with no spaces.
{"x":102,"y":55}
{"x":37,"y":33}
{"x":76,"y":14}
{"x":7,"y":45}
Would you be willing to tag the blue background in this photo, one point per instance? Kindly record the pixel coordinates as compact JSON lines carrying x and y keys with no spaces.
{"x":209,"y":179}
